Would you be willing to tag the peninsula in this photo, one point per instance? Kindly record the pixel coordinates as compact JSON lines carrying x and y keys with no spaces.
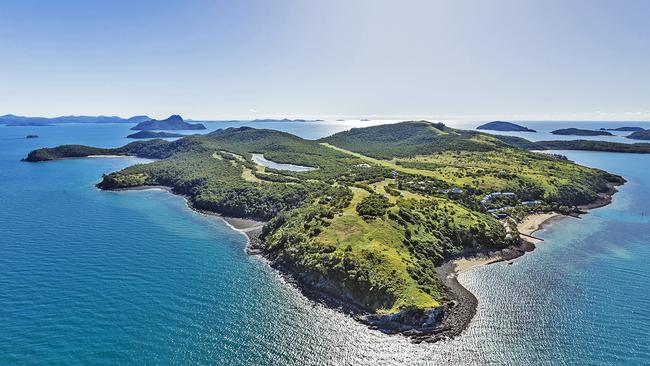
{"x":368,"y":228}
{"x":174,"y":122}
{"x":504,"y":126}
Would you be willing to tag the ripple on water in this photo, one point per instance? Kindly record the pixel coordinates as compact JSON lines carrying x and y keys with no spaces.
{"x":90,"y":277}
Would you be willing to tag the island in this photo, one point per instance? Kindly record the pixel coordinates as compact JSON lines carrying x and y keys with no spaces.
{"x":580,"y":132}
{"x":374,"y":222}
{"x":286,"y":120}
{"x":153,"y":134}
{"x":504,"y":126}
{"x":624,"y":129}
{"x":174,"y":122}
{"x":592,"y":145}
{"x":640,"y":135}
{"x":31,"y":136}
{"x":12,"y":120}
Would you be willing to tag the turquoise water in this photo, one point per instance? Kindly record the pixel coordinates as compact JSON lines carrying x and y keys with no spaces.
{"x":92,"y":277}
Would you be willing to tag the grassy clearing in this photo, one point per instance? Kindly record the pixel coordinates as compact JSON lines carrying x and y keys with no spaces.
{"x":408,"y":176}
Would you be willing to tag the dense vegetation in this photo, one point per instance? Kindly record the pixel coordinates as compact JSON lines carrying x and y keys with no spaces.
{"x":383,"y":207}
{"x":591,"y":145}
{"x":412,"y":138}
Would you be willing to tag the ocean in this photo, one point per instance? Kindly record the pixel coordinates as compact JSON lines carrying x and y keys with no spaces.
{"x":94,"y":277}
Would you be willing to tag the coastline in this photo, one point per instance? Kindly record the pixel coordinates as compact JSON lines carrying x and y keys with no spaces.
{"x":465,"y":303}
{"x":249,"y":227}
{"x":420,"y":325}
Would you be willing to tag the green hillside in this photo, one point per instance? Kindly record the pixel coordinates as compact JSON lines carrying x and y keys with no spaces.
{"x":383,"y":207}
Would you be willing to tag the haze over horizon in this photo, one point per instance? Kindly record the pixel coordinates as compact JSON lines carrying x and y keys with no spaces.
{"x":520,"y":60}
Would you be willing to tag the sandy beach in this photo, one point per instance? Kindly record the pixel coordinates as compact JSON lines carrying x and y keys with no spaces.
{"x":527,"y":227}
{"x":534,"y":222}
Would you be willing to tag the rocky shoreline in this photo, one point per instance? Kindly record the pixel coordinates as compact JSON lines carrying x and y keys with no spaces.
{"x":420,"y":325}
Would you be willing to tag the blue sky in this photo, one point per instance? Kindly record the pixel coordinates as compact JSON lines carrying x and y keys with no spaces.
{"x":467,"y":59}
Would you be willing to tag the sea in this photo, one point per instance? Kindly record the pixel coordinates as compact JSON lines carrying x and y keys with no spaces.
{"x":89,"y":277}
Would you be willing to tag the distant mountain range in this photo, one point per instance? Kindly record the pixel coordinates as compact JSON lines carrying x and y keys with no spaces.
{"x":13,"y":120}
{"x":504,"y":126}
{"x":174,"y":122}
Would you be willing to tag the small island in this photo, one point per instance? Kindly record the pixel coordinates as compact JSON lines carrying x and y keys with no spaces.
{"x":504,"y":126}
{"x":580,"y":132}
{"x":174,"y":122}
{"x":640,"y":135}
{"x":153,"y":134}
{"x":285,"y":120}
{"x":377,"y":217}
{"x":623,"y":129}
{"x":31,"y":136}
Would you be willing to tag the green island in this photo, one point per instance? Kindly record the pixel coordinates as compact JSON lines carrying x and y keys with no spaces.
{"x":580,"y":132}
{"x":593,"y":145}
{"x":368,"y":228}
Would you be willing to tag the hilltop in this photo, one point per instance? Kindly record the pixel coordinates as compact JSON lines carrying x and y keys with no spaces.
{"x":173,"y":122}
{"x":412,"y":138}
{"x":504,"y":126}
{"x":380,"y":209}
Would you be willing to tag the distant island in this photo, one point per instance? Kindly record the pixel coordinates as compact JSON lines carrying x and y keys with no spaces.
{"x":31,"y":136}
{"x":286,"y":120}
{"x":504,"y":126}
{"x":153,"y":134}
{"x":580,"y":132}
{"x":13,"y":120}
{"x":592,"y":145}
{"x":374,"y":229}
{"x":624,"y":129}
{"x":640,"y":135}
{"x":173,"y":122}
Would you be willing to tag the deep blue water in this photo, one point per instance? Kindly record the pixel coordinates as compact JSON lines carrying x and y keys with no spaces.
{"x":92,"y":277}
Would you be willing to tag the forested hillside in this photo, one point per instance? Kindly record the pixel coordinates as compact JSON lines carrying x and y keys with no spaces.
{"x":382,"y":207}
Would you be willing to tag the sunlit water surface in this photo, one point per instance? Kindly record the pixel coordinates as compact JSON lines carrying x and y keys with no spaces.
{"x":93,"y":277}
